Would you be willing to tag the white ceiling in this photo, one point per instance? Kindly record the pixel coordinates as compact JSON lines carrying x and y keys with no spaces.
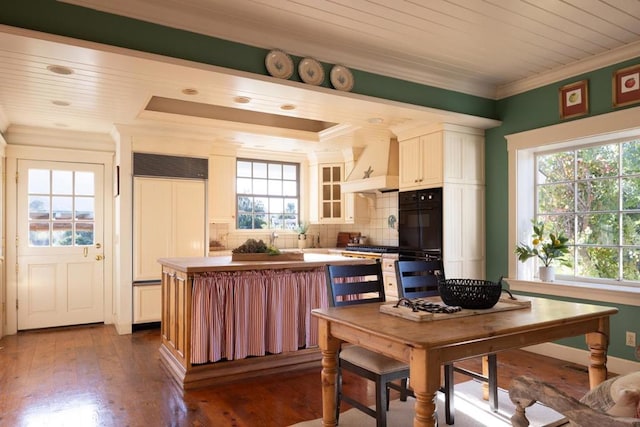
{"x":490,"y":48}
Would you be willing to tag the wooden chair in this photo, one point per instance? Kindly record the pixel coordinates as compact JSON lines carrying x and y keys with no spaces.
{"x":359,"y":284}
{"x":525,"y":391}
{"x":419,"y":279}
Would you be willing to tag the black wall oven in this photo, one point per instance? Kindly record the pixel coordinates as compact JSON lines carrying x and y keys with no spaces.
{"x":420,"y":224}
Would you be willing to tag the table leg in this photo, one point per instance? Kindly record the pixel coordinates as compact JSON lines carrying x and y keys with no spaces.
{"x":598,"y":343}
{"x":425,"y":381}
{"x":329,"y":376}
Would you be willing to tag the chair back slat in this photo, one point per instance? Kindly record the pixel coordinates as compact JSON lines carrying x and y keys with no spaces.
{"x":354,"y":284}
{"x":418,"y":279}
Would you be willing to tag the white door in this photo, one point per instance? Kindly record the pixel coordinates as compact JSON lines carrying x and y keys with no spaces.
{"x":60,"y":251}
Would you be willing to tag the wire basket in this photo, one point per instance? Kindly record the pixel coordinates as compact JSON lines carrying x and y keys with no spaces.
{"x":470,"y":293}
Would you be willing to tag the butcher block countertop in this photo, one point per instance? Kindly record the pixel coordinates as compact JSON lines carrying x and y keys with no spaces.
{"x":224,"y":263}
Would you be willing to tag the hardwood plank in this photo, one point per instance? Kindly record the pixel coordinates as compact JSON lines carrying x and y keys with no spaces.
{"x":93,"y":373}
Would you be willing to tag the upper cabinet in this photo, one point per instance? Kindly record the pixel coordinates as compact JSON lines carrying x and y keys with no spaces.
{"x":222,"y":185}
{"x":326,"y":202}
{"x":450,"y":154}
{"x":421,"y":162}
{"x":328,"y":205}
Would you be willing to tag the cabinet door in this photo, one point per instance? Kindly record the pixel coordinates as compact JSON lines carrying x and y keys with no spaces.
{"x":152,"y":226}
{"x":331,"y":205}
{"x":147,"y":303}
{"x":431,"y":160}
{"x":222,"y":185}
{"x":188,"y":220}
{"x":410,"y":163}
{"x":356,"y":209}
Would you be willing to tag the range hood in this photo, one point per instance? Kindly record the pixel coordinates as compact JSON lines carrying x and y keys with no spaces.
{"x":376,"y":170}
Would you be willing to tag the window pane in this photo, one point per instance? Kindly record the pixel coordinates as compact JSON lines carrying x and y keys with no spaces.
{"x":243,"y":169}
{"x":556,"y":167}
{"x":291,"y":205}
{"x":62,"y":182}
{"x":631,"y":157}
{"x":62,"y":233}
{"x":84,"y":233}
{"x":260,"y":204}
{"x":599,"y":195}
{"x":260,"y":186}
{"x":631,"y":264}
{"x":39,"y":207}
{"x":597,"y":262}
{"x":336,"y":174}
{"x":289,"y":188}
{"x":245,"y":221}
{"x":39,"y":181}
{"x":631,"y":229}
{"x":62,"y":208}
{"x":595,"y":162}
{"x":289,"y":172}
{"x":555,"y":198}
{"x":39,"y":234}
{"x":276,"y":205}
{"x":259,"y":170}
{"x":275,"y":171}
{"x":598,"y":229}
{"x":245,"y":204}
{"x":243,"y":185}
{"x":84,"y":208}
{"x":631,"y":193}
{"x":84,"y":184}
{"x":326,"y":174}
{"x":275,"y":188}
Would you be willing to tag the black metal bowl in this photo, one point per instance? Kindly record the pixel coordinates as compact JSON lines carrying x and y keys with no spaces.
{"x":470,"y":293}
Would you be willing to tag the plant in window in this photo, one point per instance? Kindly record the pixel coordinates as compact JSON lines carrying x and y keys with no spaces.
{"x":545,"y":246}
{"x":303,"y":227}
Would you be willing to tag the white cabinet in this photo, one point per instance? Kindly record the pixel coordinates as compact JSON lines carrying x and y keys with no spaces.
{"x":421,"y":162}
{"x":168,"y":221}
{"x":326,"y":200}
{"x":389,"y":276}
{"x":357,"y":208}
{"x":147,"y":303}
{"x":222,"y":185}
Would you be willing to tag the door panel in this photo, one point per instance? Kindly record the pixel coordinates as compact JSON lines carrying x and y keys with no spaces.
{"x":60,"y":250}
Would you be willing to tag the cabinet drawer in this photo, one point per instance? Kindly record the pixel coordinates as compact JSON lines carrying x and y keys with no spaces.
{"x":390,"y":286}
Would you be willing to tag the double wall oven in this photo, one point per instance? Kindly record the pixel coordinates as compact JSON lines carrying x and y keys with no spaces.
{"x":420,"y":224}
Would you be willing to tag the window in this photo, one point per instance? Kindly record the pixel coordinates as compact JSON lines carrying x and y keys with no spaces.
{"x":268,"y":195}
{"x":61,"y":208}
{"x":583,"y":177}
{"x":592,"y":194}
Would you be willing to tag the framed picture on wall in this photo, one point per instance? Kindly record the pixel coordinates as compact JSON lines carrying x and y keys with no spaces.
{"x":574,"y":99}
{"x":626,"y":86}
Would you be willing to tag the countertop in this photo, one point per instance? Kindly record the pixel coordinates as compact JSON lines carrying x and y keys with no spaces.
{"x":224,"y":263}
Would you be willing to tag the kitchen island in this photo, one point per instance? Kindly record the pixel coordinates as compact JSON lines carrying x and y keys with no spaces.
{"x":225,"y":320}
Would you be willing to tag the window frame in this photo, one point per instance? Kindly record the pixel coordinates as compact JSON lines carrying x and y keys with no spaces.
{"x":268,"y":162}
{"x":521,"y":149}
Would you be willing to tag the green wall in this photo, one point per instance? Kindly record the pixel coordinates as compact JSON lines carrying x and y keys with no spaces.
{"x":533,"y":109}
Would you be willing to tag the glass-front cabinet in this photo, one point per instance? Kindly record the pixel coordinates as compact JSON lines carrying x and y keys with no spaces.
{"x":327,"y":204}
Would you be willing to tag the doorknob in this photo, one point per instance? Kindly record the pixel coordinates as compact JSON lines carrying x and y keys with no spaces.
{"x":99,"y":257}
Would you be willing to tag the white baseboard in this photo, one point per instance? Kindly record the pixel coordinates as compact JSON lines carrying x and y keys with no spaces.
{"x":581,"y":357}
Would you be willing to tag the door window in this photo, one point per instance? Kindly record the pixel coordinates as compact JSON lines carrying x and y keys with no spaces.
{"x":61,"y":208}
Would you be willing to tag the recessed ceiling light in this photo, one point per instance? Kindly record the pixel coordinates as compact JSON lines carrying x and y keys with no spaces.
{"x":190,"y":91}
{"x":242,"y":99}
{"x":59,"y":69}
{"x":375,"y":120}
{"x":61,"y":103}
{"x":288,"y":107}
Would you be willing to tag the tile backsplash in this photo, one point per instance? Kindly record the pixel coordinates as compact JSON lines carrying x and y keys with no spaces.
{"x":382,"y":229}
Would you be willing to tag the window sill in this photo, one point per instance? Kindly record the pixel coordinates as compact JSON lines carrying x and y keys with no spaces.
{"x":601,"y":293}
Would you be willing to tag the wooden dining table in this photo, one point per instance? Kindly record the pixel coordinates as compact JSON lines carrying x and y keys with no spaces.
{"x":426,"y":345}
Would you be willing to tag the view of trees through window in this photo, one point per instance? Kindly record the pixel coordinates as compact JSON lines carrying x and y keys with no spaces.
{"x":267,"y":195}
{"x":592,"y":194}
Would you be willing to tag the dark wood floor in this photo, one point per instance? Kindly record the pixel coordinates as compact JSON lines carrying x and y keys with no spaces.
{"x":91,"y":376}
